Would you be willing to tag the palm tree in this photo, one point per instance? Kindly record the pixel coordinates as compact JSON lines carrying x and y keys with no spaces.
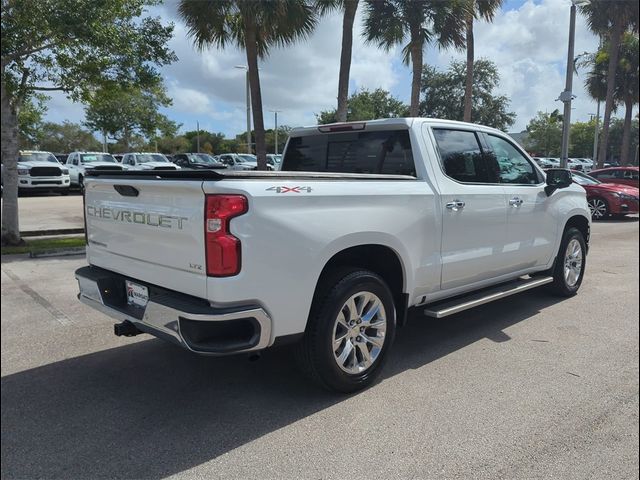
{"x":626,"y":82}
{"x":610,"y":20}
{"x":349,"y":8}
{"x":629,"y":80}
{"x":486,"y":10}
{"x":251,"y":26}
{"x":392,"y":22}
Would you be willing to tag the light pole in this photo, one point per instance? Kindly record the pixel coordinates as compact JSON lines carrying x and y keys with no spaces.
{"x":567,"y":95}
{"x":275,"y":113}
{"x":596,"y":134}
{"x":197,"y":137}
{"x":248,"y":95}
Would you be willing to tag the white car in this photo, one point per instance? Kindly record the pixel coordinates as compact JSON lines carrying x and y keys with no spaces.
{"x":147,"y":161}
{"x":79,"y":163}
{"x":575,"y":164}
{"x":365,"y":221}
{"x":239,"y":161}
{"x":41,"y":171}
{"x":587,"y":164}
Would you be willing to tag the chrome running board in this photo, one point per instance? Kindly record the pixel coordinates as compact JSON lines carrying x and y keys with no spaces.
{"x":445,"y":308}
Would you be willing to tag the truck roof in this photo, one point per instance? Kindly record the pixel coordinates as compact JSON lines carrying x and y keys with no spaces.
{"x":382,"y":124}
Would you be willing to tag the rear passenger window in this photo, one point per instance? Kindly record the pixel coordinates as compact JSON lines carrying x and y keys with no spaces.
{"x":353,"y":152}
{"x":461,"y":156}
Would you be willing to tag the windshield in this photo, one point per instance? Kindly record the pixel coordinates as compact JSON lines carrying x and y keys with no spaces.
{"x":246,"y":158}
{"x":96,"y":157}
{"x":582,"y":179}
{"x":37,"y":157}
{"x":150,"y":157}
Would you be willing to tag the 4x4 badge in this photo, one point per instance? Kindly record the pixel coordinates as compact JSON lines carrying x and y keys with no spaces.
{"x":289,"y":189}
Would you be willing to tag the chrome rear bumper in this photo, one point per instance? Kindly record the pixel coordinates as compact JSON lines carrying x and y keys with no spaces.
{"x":186,"y":321}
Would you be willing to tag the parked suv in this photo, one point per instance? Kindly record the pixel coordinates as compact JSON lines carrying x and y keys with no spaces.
{"x":41,"y":171}
{"x":81,"y":162}
{"x":147,"y":161}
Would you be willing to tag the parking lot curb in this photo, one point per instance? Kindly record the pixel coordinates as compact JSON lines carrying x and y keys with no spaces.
{"x":59,"y":252}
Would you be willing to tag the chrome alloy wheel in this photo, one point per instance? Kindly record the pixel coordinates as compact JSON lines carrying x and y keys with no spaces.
{"x":572,"y":263}
{"x":359,"y":332}
{"x":598,"y":208}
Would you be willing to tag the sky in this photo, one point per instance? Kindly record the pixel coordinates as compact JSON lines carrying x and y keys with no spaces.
{"x":527,"y":41}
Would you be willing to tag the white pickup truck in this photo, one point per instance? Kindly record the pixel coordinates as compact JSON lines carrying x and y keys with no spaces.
{"x":365,"y":221}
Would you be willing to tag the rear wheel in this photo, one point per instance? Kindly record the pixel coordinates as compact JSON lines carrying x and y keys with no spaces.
{"x":599,"y":208}
{"x":570,"y":264}
{"x":350,"y":330}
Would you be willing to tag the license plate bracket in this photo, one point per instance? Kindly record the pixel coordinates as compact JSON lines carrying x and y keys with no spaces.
{"x":137,"y":295}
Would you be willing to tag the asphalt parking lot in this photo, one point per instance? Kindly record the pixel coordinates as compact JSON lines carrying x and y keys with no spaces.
{"x":50,"y":212}
{"x":527,"y":387}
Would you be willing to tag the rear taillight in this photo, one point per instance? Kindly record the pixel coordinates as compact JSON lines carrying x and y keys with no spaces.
{"x":222,"y":248}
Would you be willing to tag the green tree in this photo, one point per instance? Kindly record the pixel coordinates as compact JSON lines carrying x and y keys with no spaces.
{"x":126,"y":112}
{"x":74,"y":46}
{"x":616,"y":134}
{"x":30,"y":121}
{"x":478,"y":9}
{"x":610,"y":20}
{"x":349,"y":9}
{"x":216,"y":140}
{"x":254,"y":27}
{"x":544,"y":134}
{"x":581,"y":138}
{"x":444,"y":94}
{"x":173,"y":144}
{"x":66,"y":137}
{"x":418,"y":23}
{"x":368,"y":105}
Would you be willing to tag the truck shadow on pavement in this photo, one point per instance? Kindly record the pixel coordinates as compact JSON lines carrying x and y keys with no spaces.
{"x":149,"y":410}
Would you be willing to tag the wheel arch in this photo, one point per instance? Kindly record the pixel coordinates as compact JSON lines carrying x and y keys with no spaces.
{"x":582,"y":224}
{"x":380,"y":259}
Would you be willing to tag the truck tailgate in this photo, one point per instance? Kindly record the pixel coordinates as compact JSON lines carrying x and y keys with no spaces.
{"x":151,"y":230}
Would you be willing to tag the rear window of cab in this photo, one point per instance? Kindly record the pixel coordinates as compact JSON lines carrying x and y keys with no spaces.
{"x":378,"y":152}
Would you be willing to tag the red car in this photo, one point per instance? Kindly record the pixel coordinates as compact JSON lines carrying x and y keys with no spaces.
{"x":607,"y":198}
{"x":619,"y":175}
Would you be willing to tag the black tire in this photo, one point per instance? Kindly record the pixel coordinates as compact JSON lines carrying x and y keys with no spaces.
{"x":599,"y":208}
{"x":81,"y":183}
{"x":315,"y":353}
{"x":562,"y":286}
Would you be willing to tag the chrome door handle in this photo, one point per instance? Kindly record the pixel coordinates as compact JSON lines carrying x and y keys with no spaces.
{"x":516,"y":202}
{"x":455,"y":205}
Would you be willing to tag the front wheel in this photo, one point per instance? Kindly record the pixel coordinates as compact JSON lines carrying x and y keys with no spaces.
{"x":570,"y":264}
{"x":350,"y":330}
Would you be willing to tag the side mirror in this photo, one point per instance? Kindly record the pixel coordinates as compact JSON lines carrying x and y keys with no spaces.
{"x":557,"y":178}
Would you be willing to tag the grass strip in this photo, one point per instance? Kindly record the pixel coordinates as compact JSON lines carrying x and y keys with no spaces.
{"x":45,"y":244}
